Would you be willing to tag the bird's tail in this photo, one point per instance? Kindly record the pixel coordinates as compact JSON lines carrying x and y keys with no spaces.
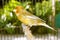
{"x":44,"y":24}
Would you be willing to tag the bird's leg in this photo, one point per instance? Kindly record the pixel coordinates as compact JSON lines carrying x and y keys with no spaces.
{"x":27,"y":32}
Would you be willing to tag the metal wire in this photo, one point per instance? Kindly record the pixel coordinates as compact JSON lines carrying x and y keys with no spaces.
{"x":16,"y":37}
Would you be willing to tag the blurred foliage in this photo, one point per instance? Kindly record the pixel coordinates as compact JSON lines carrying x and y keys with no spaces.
{"x":39,"y":30}
{"x":12,"y":25}
{"x":8,"y":20}
{"x":43,"y":8}
{"x":57,"y":7}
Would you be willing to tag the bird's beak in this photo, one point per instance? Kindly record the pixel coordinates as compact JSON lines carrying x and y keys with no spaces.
{"x":14,"y":10}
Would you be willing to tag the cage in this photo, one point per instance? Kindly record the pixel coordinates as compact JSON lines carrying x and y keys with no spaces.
{"x":10,"y":26}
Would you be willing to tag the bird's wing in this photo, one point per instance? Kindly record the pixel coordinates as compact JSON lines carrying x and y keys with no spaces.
{"x":34,"y":17}
{"x":31,"y":16}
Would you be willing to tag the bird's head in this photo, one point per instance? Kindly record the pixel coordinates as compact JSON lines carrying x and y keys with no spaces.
{"x":18,"y":9}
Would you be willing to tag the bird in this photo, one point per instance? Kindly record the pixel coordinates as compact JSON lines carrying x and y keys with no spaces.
{"x":29,"y":19}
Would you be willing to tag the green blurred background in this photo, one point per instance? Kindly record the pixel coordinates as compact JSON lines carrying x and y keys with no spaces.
{"x":9,"y":24}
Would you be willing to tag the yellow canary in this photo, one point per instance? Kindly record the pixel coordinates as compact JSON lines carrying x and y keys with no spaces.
{"x":29,"y":19}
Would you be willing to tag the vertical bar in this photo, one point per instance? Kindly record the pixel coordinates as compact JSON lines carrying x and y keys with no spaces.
{"x":35,"y":12}
{"x":6,"y":34}
{"x":3,"y":2}
{"x":3,"y":13}
{"x":19,"y":0}
{"x":53,"y":13}
{"x":41,"y":28}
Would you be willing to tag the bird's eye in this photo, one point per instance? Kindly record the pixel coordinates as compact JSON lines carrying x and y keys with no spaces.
{"x":17,"y":11}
